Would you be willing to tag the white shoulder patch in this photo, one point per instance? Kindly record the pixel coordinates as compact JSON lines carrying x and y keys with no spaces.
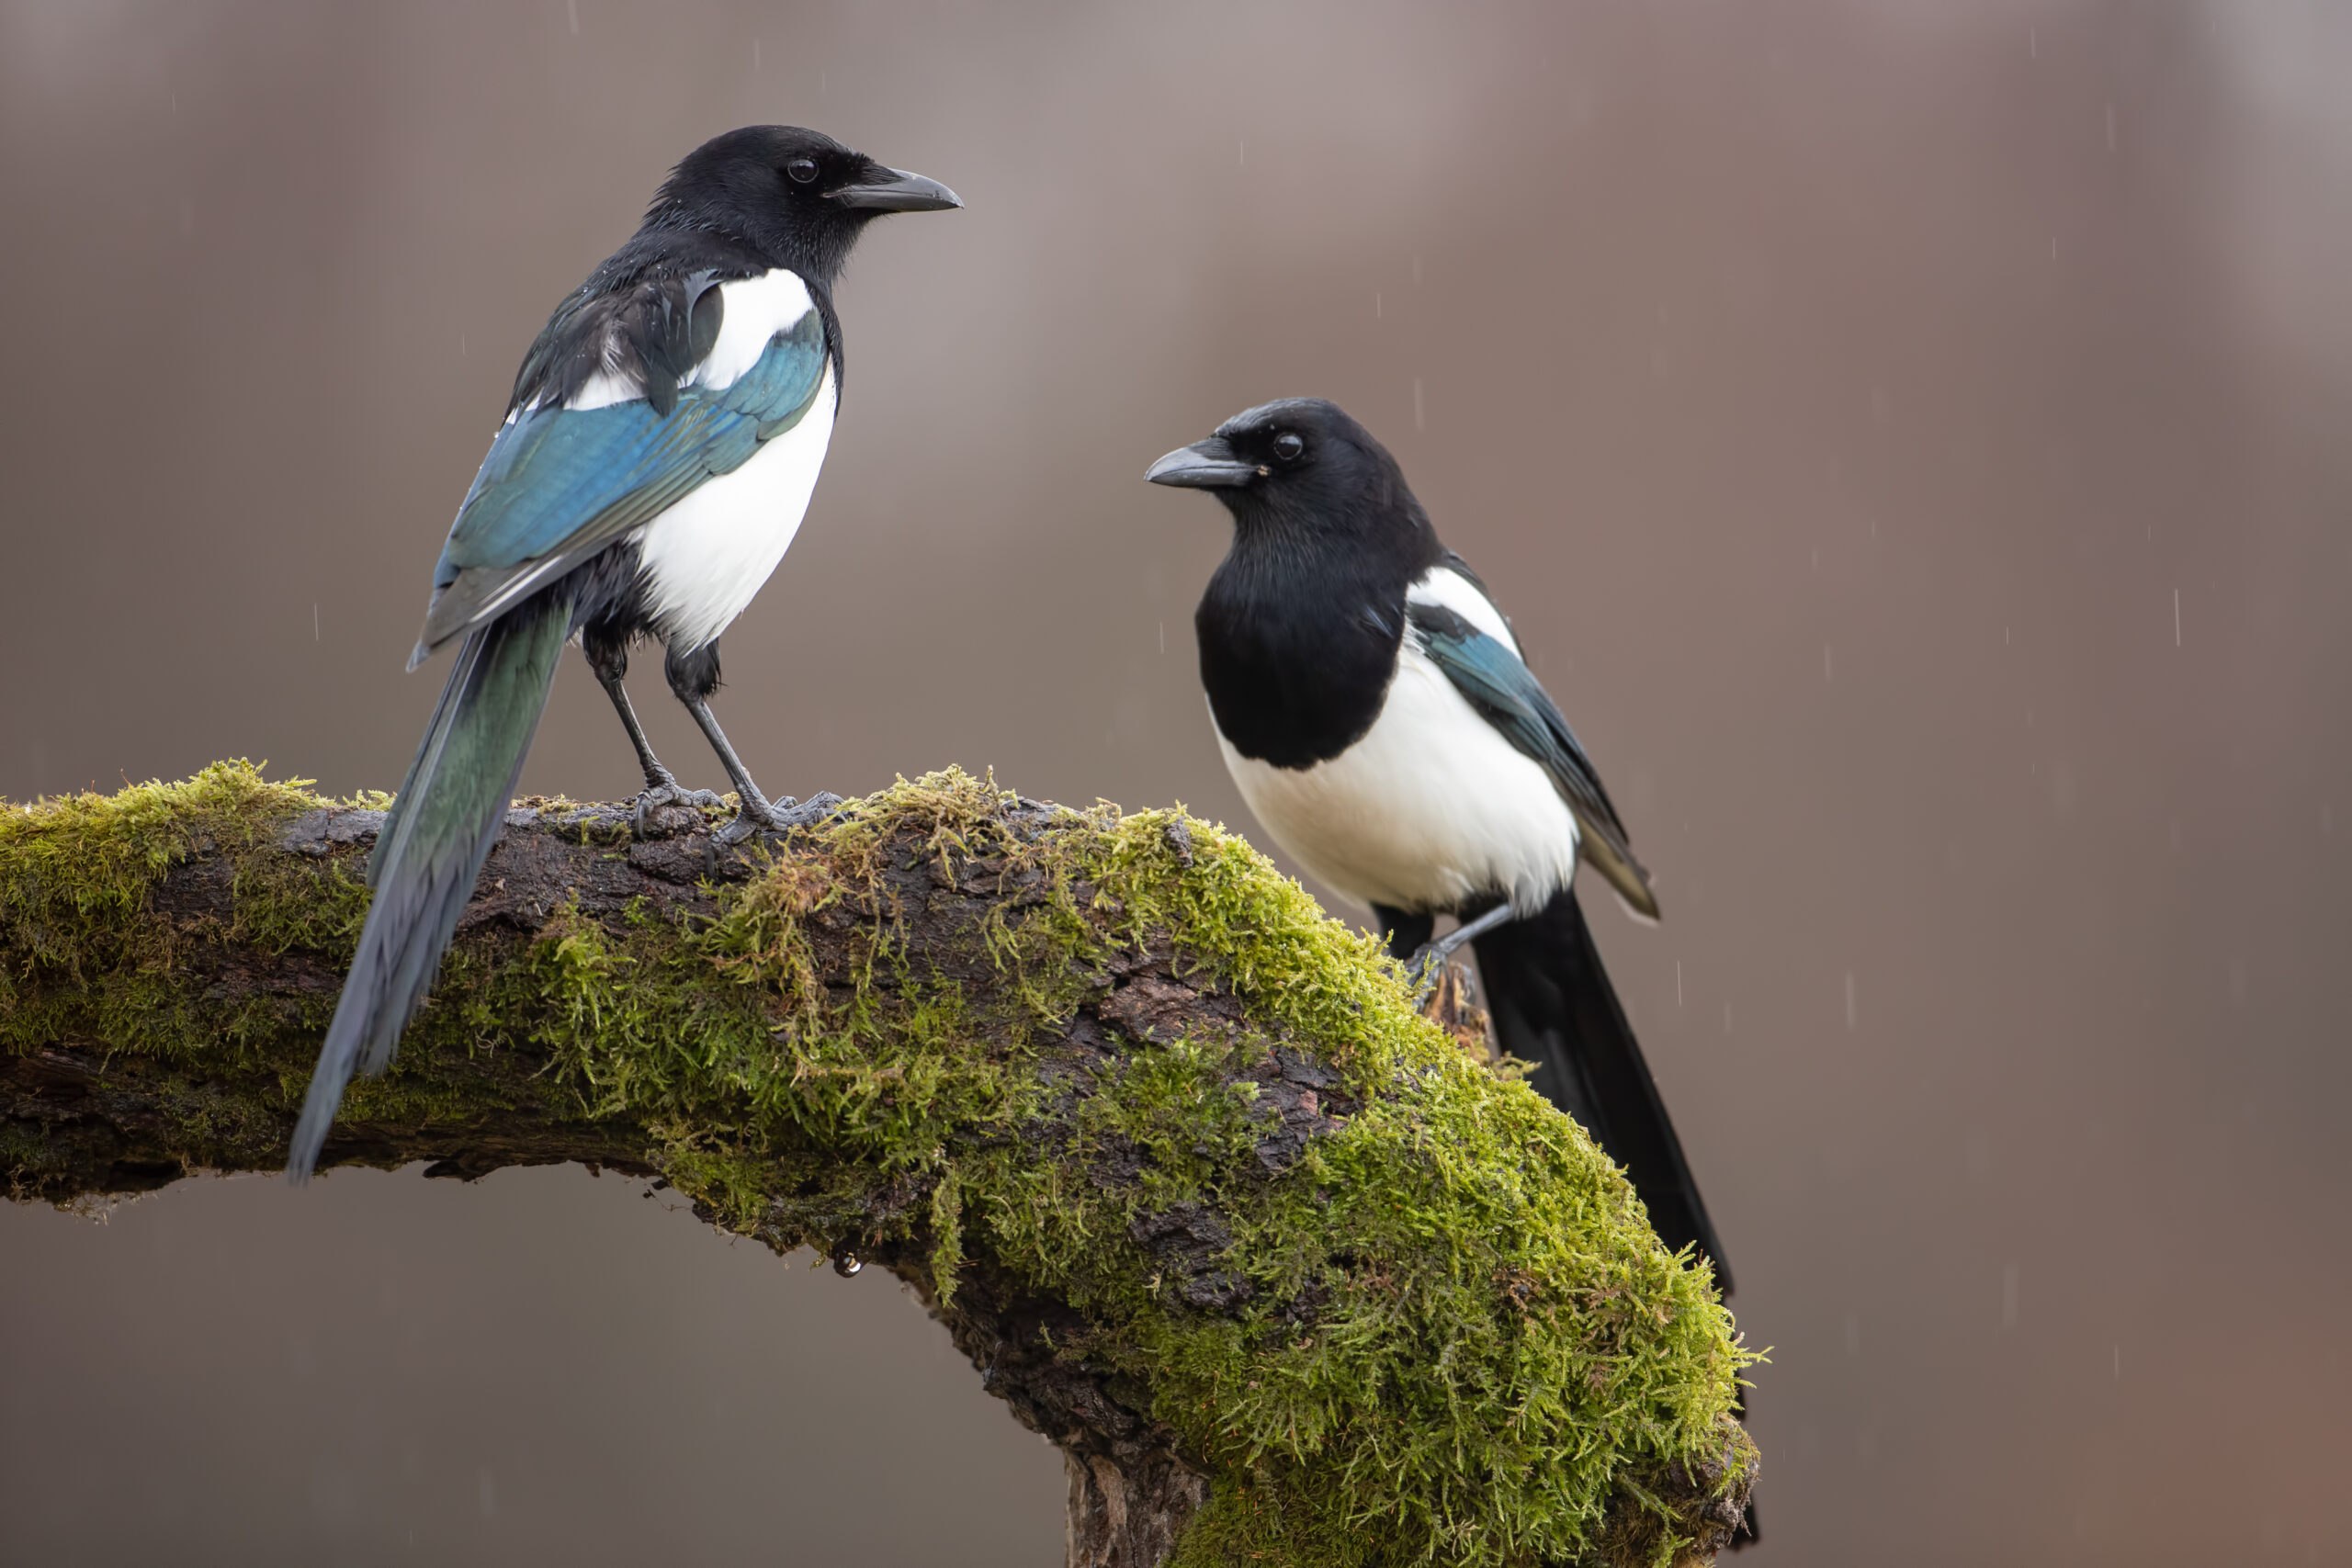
{"x":604,"y":388}
{"x":1448,"y":589}
{"x":756,"y":310}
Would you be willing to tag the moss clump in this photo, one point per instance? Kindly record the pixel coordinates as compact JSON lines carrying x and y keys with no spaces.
{"x":1398,"y":1309}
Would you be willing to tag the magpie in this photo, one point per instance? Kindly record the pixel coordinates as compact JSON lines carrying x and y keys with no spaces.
{"x":1378,"y":718}
{"x":662,"y":440}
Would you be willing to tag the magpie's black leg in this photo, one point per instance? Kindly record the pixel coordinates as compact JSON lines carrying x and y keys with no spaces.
{"x":1428,"y":961}
{"x":693,"y":675}
{"x":607,"y":652}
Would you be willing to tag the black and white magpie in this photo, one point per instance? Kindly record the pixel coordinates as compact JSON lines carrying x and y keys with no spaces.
{"x":661,"y":443}
{"x":1375,"y":711}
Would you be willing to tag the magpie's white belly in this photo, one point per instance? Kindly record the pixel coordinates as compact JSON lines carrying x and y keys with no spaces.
{"x":706,"y":557}
{"x":1432,"y":808}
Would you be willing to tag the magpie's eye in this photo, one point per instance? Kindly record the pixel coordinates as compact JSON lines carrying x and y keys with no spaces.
{"x":1288,"y":447}
{"x":801,"y":170}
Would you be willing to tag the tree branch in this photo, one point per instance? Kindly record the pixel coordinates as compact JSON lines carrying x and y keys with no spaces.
{"x":1286,"y":1275}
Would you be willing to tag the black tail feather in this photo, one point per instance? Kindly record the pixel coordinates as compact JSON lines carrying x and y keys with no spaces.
{"x":432,"y":848}
{"x":1552,"y":1004}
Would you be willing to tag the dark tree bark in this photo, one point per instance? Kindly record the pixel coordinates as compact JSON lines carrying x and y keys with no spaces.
{"x":169,"y":964}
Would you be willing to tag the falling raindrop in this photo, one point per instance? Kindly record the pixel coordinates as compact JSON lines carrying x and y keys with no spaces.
{"x":2008,"y":1295}
{"x":314,"y":620}
{"x":572,"y":9}
{"x":755,"y":54}
{"x":1853,"y":1334}
{"x":1163,"y":637}
{"x":2175,"y":617}
{"x":2110,"y":128}
{"x":1421,"y":415}
{"x":1849,"y":1000}
{"x":2118,"y":1363}
{"x":1727,"y":1017}
{"x":1417,"y":271}
{"x":1678,"y":982}
{"x":1242,"y":145}
{"x":1828,"y":670}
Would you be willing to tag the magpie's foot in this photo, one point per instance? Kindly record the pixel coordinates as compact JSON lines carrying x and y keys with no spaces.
{"x":781,"y":816}
{"x":1425,"y":969}
{"x":819,"y":808}
{"x":664,"y":791}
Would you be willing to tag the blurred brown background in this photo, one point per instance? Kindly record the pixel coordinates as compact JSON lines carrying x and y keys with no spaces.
{"x":1911,"y":437}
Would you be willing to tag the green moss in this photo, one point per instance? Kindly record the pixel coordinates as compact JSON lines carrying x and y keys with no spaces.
{"x":1446,"y":1332}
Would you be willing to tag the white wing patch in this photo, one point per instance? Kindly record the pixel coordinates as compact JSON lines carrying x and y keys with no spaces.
{"x":756,"y":310}
{"x":707,"y":556}
{"x":1448,"y":589}
{"x":606,"y":388}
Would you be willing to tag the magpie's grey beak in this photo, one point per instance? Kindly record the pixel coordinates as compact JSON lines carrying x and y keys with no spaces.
{"x":1205,"y":464}
{"x":894,"y":190}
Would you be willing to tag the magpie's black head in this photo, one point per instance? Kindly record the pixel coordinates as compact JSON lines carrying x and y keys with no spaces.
{"x":798,"y":196}
{"x":1300,"y":469}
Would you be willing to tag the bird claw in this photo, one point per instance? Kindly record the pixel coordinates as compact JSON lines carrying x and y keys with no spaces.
{"x":780,"y":816}
{"x":1424,"y":970}
{"x":664,"y":792}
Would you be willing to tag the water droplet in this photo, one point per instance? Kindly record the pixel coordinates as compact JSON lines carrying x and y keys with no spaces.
{"x":846,"y":1262}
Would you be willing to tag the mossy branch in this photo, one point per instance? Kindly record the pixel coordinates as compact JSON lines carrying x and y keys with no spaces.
{"x":1288,"y":1276}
